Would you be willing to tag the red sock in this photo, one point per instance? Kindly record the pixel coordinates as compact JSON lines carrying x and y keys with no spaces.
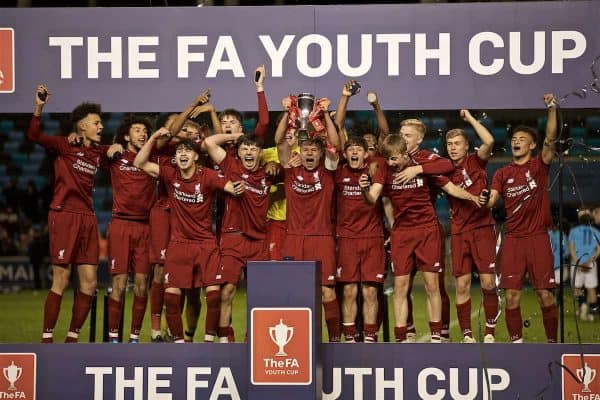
{"x":51,"y":310}
{"x":400,"y":333}
{"x":349,"y":331}
{"x":491,"y":308}
{"x":157,"y":297}
{"x":445,"y":332}
{"x":137,"y":315}
{"x":114,"y":317}
{"x":81,"y":308}
{"x":370,"y":333}
{"x":514,"y":324}
{"x":435,"y":327}
{"x":332,"y":319}
{"x":463,"y":313}
{"x":550,"y":317}
{"x":231,"y":334}
{"x":213,"y":309}
{"x":174,"y":321}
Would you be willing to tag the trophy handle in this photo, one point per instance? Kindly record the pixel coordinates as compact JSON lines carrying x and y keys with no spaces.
{"x":579,"y":374}
{"x":20,"y":372}
{"x":592,"y":373}
{"x":271,"y":332}
{"x":291,"y":331}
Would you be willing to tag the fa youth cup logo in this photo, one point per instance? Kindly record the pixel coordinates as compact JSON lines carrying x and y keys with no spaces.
{"x":586,"y":375}
{"x":281,"y":334}
{"x":12,"y":373}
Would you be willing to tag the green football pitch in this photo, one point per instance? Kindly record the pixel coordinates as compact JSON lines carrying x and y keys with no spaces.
{"x":21,"y":318}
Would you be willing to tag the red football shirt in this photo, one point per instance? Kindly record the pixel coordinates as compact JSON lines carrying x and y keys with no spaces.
{"x":74,"y":168}
{"x":133,"y":189}
{"x":309,"y":197}
{"x":248,"y":212}
{"x":191,"y":201}
{"x":526,"y":198}
{"x":471,"y":176}
{"x":355,"y":217}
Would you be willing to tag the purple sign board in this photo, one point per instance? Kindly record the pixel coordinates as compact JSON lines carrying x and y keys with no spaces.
{"x":350,"y":371}
{"x":425,"y":56}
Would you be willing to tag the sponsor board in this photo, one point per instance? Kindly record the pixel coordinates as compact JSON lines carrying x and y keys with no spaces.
{"x":18,"y":380}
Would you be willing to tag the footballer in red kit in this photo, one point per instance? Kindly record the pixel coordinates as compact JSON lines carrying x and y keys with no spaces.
{"x":526,"y":248}
{"x":359,"y":232}
{"x":473,"y":235}
{"x":128,"y":231}
{"x":72,"y":224}
{"x":192,"y":255}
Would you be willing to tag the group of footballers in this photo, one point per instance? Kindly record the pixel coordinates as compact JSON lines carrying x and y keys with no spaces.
{"x":320,"y":195}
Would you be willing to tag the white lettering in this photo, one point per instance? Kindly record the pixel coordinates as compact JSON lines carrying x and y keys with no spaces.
{"x":475,"y":53}
{"x":454,"y":389}
{"x":495,"y":387}
{"x":137,"y":383}
{"x":185,"y":57}
{"x":393,"y":41}
{"x":559,"y":53}
{"x":358,"y":380}
{"x":154,"y":383}
{"x":396,"y":384}
{"x":336,"y":390}
{"x":192,"y":383}
{"x":66,"y":56}
{"x":422,"y":54}
{"x":136,"y":57}
{"x":539,"y":53}
{"x":422,"y":384}
{"x":98,"y":373}
{"x":225,"y":385}
{"x":276,"y":54}
{"x":324,"y":46}
{"x":366,"y":56}
{"x":225,"y":47}
{"x":113,"y":57}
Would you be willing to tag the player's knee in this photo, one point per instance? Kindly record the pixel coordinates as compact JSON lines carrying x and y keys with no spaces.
{"x":350,"y":291}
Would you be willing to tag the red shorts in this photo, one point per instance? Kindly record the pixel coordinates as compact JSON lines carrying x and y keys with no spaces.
{"x":192,"y":264}
{"x":128,"y":245}
{"x":475,"y":248}
{"x":360,"y":259}
{"x":416,"y":248}
{"x":313,"y":248}
{"x":159,"y":234}
{"x":73,"y":238}
{"x":533,"y":255}
{"x":236,"y":250}
{"x":275,"y":238}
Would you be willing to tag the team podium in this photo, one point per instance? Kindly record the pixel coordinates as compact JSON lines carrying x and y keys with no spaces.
{"x":284,"y":330}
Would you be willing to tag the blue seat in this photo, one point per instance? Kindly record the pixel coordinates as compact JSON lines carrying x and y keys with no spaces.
{"x":16,"y":136}
{"x":592,"y":123}
{"x":11,"y":147}
{"x":19,"y":159}
{"x":7,"y":125}
{"x":500,"y":134}
{"x":111,"y":126}
{"x":51,"y":127}
{"x":577,"y":132}
{"x":541,"y":123}
{"x":438,"y":124}
{"x":30,"y":169}
{"x":2,"y":169}
{"x":593,"y":141}
{"x":36,"y":158}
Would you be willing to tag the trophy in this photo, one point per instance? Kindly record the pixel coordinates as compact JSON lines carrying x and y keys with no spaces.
{"x":306,"y":102}
{"x":279,"y":336}
{"x":12,"y":373}
{"x":586,"y":375}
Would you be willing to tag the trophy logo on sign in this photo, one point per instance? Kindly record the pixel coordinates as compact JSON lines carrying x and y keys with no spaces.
{"x":281,"y":334}
{"x":586,"y":375}
{"x":306,"y":103}
{"x":12,"y":373}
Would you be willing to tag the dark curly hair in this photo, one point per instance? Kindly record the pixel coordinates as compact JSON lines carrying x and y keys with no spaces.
{"x":83,"y":110}
{"x":126,"y":124}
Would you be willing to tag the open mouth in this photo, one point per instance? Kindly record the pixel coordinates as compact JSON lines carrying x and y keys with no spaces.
{"x":516,"y":148}
{"x":310,"y":160}
{"x":371,"y":148}
{"x":354,"y":159}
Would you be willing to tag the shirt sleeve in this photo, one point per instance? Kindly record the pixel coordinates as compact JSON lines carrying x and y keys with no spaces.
{"x":262,"y":125}
{"x":497,"y":182}
{"x":380,"y":172}
{"x":215,"y":180}
{"x":433,"y":164}
{"x":59,"y":144}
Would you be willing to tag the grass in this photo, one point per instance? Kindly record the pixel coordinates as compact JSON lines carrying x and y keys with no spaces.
{"x":21,"y":318}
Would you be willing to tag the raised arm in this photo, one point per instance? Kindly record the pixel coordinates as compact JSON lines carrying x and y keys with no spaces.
{"x":382,"y":123}
{"x":487,"y":140}
{"x":342,"y":107}
{"x":142,"y":158}
{"x":262,"y":126}
{"x":213,"y":145}
{"x":179,"y":121}
{"x":284,"y":150}
{"x":549,"y":149}
{"x":370,"y":191}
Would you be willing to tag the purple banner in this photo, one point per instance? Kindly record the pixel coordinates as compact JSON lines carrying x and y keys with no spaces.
{"x":350,"y":371}
{"x":433,"y":56}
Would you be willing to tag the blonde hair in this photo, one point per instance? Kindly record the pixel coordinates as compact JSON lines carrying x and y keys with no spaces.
{"x":457,"y":132}
{"x":393,"y":144}
{"x":415,"y":123}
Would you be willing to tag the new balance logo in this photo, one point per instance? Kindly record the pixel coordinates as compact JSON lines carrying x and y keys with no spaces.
{"x":61,"y":254}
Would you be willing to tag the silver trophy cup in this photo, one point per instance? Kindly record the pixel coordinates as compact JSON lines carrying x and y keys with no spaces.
{"x":306,"y":102}
{"x":281,"y":334}
{"x":12,"y":373}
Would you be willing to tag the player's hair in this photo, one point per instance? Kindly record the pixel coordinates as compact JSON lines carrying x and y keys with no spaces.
{"x":314,"y":141}
{"x":193,"y":124}
{"x":163,"y":118}
{"x":82,"y":111}
{"x":392,"y":145}
{"x":250,"y":140}
{"x":585,"y":217}
{"x":127,"y":123}
{"x":526,"y":129}
{"x":188,"y":144}
{"x":232,"y":112}
{"x":415,"y":123}
{"x":452,"y":133}
{"x":356,"y":141}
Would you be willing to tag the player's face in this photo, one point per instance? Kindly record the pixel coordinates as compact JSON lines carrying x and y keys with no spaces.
{"x":411,"y":136}
{"x":397,"y":160}
{"x":91,"y":128}
{"x":355,"y":156}
{"x":522,"y":144}
{"x":457,"y":147}
{"x":371,"y":143}
{"x":138,"y":134}
{"x":185,"y":158}
{"x":230,"y":124}
{"x":310,"y":156}
{"x":189,"y":132}
{"x":249,"y":154}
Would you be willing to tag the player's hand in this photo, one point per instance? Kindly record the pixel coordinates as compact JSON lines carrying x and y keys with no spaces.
{"x":476,"y":200}
{"x":324,"y":104}
{"x":550,"y":100}
{"x":261,"y":79}
{"x":206,"y":107}
{"x":347,"y":89}
{"x":162,"y":132}
{"x":202,"y":98}
{"x":239,"y":187}
{"x":114,"y":151}
{"x":75,"y":139}
{"x":286,"y":102}
{"x":272,"y":168}
{"x":484,"y":198}
{"x":295,"y":160}
{"x":364,"y":182}
{"x":372,"y":98}
{"x":406,"y":174}
{"x":41,"y":95}
{"x":466,"y":115}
